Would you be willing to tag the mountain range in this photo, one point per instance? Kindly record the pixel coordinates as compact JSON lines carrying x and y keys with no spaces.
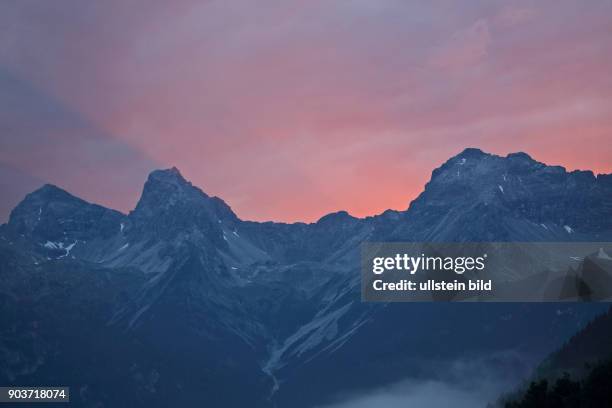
{"x":182,"y":303}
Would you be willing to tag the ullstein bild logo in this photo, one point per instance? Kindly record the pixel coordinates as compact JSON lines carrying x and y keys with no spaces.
{"x":502,"y":271}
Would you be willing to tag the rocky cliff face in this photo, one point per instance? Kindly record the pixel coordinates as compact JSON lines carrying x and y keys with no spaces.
{"x":180,"y":302}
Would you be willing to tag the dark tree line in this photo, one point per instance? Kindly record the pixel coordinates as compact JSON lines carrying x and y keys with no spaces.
{"x":588,"y":356}
{"x":594,"y":391}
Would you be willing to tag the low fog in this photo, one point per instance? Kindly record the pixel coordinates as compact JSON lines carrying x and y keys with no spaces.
{"x":464,"y":383}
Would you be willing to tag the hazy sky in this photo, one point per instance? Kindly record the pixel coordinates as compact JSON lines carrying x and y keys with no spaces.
{"x":292,"y":109}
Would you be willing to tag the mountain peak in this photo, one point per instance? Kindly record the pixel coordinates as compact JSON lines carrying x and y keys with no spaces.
{"x":171,"y":176}
{"x":165,"y":188}
{"x":479,"y":163}
{"x":168,"y":198}
{"x":54,"y":214}
{"x":338,"y":216}
{"x":457,"y":164}
{"x":472,"y":152}
{"x":44,"y":196}
{"x":519,"y":156}
{"x":475,"y":153}
{"x":50,"y":192}
{"x":170,"y":184}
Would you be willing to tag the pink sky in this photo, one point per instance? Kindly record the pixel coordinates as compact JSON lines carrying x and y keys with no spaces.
{"x":289,"y":110}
